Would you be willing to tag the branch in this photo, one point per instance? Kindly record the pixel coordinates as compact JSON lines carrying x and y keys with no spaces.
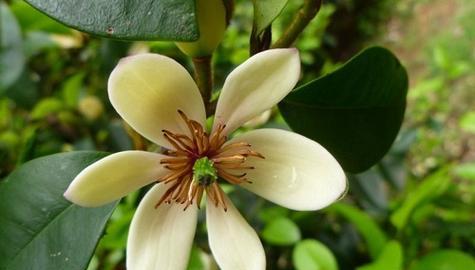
{"x":308,"y":11}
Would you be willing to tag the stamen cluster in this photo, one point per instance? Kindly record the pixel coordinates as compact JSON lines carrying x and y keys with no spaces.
{"x":225,"y":158}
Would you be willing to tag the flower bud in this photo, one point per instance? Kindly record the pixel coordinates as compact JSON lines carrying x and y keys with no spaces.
{"x":211,"y":18}
{"x":91,"y":107}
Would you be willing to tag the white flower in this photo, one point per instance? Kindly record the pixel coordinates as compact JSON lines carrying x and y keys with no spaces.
{"x":160,"y":100}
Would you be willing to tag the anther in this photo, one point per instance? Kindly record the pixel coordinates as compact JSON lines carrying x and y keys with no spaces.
{"x":196,"y":162}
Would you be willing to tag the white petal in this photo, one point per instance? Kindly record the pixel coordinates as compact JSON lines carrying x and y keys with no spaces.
{"x":257,"y":85}
{"x":160,"y":238}
{"x":297,"y":172}
{"x":235,"y":244}
{"x":114,"y":176}
{"x":148,"y":89}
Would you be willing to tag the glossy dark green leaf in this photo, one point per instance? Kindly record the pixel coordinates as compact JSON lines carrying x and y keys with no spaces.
{"x":12,"y":59}
{"x":31,"y":19}
{"x":266,"y":11}
{"x":354,"y":112}
{"x":122,"y":19}
{"x":39,"y":229}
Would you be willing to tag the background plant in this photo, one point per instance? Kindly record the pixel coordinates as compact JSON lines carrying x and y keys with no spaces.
{"x":411,"y":210}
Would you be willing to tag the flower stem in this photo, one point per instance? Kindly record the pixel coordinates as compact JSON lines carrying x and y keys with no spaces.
{"x":204,"y":79}
{"x":308,"y":11}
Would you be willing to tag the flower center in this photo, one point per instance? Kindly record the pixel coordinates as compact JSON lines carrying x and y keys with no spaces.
{"x":204,"y":172}
{"x":198,"y":161}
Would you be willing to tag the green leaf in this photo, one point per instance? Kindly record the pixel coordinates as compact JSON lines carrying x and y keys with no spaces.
{"x":72,"y":89}
{"x":196,"y":261}
{"x":123,"y":19}
{"x":119,"y":140}
{"x":448,"y":259}
{"x":431,"y":187}
{"x":466,"y":171}
{"x":354,"y":112}
{"x":46,"y":107}
{"x":390,"y":258}
{"x":370,"y":188}
{"x":24,"y":91}
{"x":37,"y":42}
{"x":265,"y":12}
{"x":268,"y":214}
{"x":281,"y":231}
{"x":39,"y":229}
{"x":27,"y":149}
{"x":313,"y":255}
{"x":366,"y":226}
{"x":467,"y":122}
{"x":31,"y":19}
{"x":12,"y":59}
{"x":118,"y":226}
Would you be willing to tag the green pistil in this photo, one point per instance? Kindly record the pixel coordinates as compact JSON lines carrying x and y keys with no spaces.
{"x":204,"y":171}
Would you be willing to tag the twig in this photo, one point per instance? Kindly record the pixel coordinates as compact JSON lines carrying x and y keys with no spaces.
{"x":308,"y":11}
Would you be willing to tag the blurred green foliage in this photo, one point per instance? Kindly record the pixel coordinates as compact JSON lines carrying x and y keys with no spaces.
{"x":414,"y":210}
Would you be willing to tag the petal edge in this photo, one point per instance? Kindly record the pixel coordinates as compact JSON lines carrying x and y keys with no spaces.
{"x":233,"y":242}
{"x":257,"y":85}
{"x":160,"y":238}
{"x":148,"y":89}
{"x":296,"y":173}
{"x":113,"y":177}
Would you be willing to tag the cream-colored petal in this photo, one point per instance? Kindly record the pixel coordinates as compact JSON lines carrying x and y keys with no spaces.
{"x":148,"y":89}
{"x":257,"y":85}
{"x":297,"y":172}
{"x":114,"y":176}
{"x":160,"y":238}
{"x":235,"y":244}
